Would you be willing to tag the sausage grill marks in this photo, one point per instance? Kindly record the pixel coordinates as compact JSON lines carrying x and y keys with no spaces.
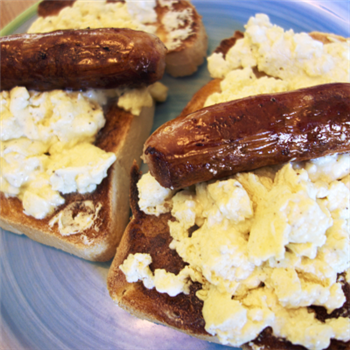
{"x":81,"y":59}
{"x":250,"y":133}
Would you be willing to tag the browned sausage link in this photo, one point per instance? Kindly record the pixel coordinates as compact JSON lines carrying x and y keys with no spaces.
{"x":80,"y":59}
{"x":249,"y":133}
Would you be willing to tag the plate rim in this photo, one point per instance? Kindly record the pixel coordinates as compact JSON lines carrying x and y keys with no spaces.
{"x":20,"y":19}
{"x":25,"y":16}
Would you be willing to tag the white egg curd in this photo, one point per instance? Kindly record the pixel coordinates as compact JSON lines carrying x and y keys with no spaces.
{"x":287,"y":60}
{"x":267,"y":245}
{"x":271,"y":242}
{"x":46,"y":142}
{"x":46,"y":147}
{"x":137,"y":15}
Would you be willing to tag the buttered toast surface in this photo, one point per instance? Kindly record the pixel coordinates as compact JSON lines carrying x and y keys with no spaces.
{"x":52,"y":299}
{"x":150,"y":234}
{"x":147,"y":278}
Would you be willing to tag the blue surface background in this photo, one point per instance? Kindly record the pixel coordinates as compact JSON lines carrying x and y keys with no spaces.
{"x":52,"y":300}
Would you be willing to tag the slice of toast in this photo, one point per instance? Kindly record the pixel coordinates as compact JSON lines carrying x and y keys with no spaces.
{"x":150,"y":234}
{"x":88,"y":225}
{"x":185,"y":51}
{"x":123,"y":134}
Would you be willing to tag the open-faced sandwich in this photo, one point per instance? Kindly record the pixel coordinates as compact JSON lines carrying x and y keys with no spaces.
{"x":240,"y":232}
{"x":76,"y":108}
{"x":175,"y":22}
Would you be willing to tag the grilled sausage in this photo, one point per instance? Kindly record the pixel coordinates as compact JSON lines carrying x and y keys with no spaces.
{"x":81,"y":59}
{"x":249,"y":133}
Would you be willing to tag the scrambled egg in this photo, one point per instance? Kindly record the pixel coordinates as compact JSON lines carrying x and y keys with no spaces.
{"x":46,"y":141}
{"x":95,"y":14}
{"x":289,"y":60}
{"x":46,"y":147}
{"x":137,"y":15}
{"x":269,"y":243}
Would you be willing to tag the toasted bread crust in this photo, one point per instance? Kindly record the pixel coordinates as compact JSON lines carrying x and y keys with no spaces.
{"x":13,"y":219}
{"x":326,"y":38}
{"x":149,"y":234}
{"x":226,"y":44}
{"x":198,"y":99}
{"x":124,"y":135}
{"x":52,"y":8}
{"x":185,"y":59}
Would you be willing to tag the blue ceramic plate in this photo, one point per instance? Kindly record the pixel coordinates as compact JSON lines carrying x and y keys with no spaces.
{"x":52,"y":300}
